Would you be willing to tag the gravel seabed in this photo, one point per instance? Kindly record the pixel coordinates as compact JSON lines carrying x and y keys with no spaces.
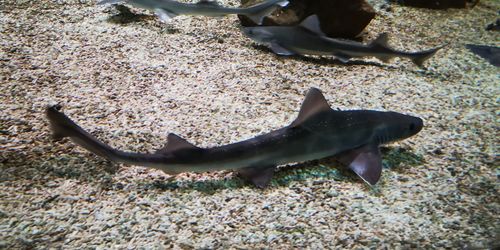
{"x":131,"y":83}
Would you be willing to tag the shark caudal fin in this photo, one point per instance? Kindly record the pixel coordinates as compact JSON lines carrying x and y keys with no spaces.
{"x":257,"y":12}
{"x":420,"y":57}
{"x":110,"y":2}
{"x":62,"y":126}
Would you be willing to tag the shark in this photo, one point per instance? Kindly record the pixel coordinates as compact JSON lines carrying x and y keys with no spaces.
{"x":352,"y":136}
{"x":307,"y":38}
{"x":168,"y":9}
{"x":489,"y":53}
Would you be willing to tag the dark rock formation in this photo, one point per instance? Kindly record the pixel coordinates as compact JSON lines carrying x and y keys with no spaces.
{"x":438,"y":4}
{"x":339,"y":18}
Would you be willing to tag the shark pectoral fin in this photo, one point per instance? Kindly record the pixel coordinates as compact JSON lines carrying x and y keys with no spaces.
{"x":280,"y":50}
{"x":175,"y":143}
{"x":259,"y":176}
{"x":312,"y":23}
{"x":314,"y":103}
{"x":365,"y":161}
{"x":164,"y":15}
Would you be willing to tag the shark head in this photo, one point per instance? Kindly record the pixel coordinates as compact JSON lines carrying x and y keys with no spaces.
{"x":396,"y":126}
{"x":258,"y":34}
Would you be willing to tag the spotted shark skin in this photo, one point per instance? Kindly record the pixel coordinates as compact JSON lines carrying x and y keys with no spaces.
{"x":353,"y":136}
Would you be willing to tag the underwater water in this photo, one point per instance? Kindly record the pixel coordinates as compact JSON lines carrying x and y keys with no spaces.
{"x":130,"y":79}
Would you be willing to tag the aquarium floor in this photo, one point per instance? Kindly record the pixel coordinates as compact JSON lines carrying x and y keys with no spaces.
{"x":132,"y":81}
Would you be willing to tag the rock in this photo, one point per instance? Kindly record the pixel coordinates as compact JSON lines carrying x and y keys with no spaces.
{"x":339,"y":18}
{"x":438,"y":4}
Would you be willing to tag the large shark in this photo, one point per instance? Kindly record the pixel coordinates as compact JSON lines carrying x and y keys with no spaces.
{"x":167,"y":9}
{"x":308,"y":39}
{"x":318,"y":132}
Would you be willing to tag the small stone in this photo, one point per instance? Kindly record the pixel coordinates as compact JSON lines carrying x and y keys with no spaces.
{"x":332,"y":193}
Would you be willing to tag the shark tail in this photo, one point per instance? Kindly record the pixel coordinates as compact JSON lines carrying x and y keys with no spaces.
{"x":420,"y":57}
{"x":62,"y":126}
{"x":110,"y":2}
{"x":257,"y":12}
{"x":382,"y":41}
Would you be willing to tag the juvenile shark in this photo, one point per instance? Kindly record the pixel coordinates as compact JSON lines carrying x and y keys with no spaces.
{"x":318,"y":132}
{"x":167,"y":9}
{"x":308,"y":39}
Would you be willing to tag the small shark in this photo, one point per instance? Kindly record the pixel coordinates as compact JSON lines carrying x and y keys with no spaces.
{"x":490,"y":53}
{"x":308,"y":39}
{"x":167,"y":9}
{"x":318,"y":132}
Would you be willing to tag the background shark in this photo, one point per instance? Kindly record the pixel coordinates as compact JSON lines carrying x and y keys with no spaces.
{"x":318,"y":132}
{"x":308,"y":39}
{"x":167,"y":9}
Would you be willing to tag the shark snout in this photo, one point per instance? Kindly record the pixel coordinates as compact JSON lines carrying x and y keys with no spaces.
{"x":415,"y":125}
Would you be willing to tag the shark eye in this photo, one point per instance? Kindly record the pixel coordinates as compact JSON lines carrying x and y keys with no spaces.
{"x":412,"y":126}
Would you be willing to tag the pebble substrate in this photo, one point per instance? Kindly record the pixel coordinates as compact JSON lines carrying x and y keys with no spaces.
{"x":131,"y":81}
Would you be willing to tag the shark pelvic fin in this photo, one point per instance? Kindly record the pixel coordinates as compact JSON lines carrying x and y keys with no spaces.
{"x":312,"y":23}
{"x":164,"y":15}
{"x":314,"y":103}
{"x":365,"y":161}
{"x":175,"y":143}
{"x":342,"y":57}
{"x":280,"y":50}
{"x":259,"y":176}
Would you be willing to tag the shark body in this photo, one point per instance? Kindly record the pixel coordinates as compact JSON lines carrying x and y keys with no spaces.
{"x":167,"y":9}
{"x":308,"y":39}
{"x":318,"y":132}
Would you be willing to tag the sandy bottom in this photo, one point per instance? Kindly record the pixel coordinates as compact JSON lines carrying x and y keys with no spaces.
{"x":132,"y":83}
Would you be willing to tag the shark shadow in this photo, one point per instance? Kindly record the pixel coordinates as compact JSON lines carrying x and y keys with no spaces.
{"x":327,"y":169}
{"x":322,"y":60}
{"x":125,"y":16}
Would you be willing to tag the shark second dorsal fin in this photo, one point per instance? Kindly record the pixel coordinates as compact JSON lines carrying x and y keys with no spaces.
{"x":175,"y":143}
{"x":381,"y":41}
{"x":312,"y":23}
{"x":314,"y":103}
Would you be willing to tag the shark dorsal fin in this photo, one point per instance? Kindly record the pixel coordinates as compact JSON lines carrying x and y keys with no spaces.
{"x":312,"y":23}
{"x":175,"y":143}
{"x":314,"y":103}
{"x":208,"y":2}
{"x":381,"y":41}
